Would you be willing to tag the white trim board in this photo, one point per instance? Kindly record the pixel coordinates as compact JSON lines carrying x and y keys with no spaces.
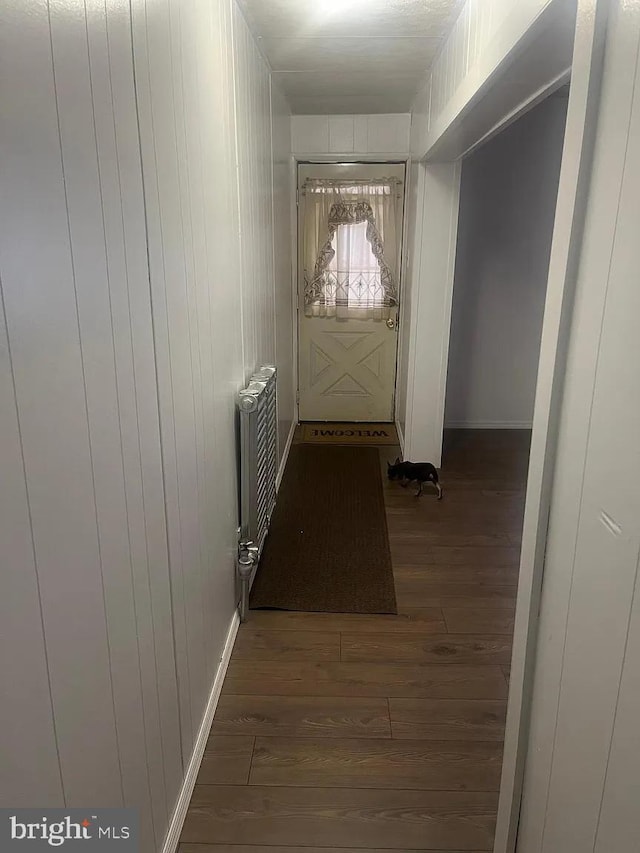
{"x":431,"y":284}
{"x":357,"y":157}
{"x":184,"y":798}
{"x":489,"y":425}
{"x":400,"y":438}
{"x":285,"y":455}
{"x":520,"y":109}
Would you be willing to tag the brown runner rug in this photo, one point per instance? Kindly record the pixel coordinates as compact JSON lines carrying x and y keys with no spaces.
{"x":343,"y":433}
{"x":328,"y":547}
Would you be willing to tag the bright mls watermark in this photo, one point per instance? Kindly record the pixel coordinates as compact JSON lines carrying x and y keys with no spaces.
{"x":103,"y":830}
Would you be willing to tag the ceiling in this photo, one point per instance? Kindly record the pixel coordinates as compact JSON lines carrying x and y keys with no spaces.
{"x":350,"y":56}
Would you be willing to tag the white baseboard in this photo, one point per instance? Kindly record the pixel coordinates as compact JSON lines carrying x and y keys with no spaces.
{"x":400,"y":438}
{"x":285,"y":455}
{"x":180,"y":812}
{"x":488,"y":425}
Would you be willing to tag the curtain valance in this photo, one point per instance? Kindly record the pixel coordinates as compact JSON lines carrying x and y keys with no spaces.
{"x":350,"y":249}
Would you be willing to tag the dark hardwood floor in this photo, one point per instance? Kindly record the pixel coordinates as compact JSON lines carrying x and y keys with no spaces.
{"x":373,"y":733}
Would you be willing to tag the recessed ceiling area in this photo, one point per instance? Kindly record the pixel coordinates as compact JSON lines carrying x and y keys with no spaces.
{"x":350,"y":56}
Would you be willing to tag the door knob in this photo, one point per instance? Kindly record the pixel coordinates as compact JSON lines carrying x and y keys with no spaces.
{"x":391,"y":323}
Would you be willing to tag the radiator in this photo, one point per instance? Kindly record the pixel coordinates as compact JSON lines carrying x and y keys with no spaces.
{"x":258,"y":469}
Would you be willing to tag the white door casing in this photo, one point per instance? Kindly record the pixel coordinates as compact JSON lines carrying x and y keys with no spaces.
{"x":581,"y":776}
{"x":347,"y":367}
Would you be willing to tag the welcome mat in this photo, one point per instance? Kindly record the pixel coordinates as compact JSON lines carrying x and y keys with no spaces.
{"x":328,"y":546}
{"x":345,"y":433}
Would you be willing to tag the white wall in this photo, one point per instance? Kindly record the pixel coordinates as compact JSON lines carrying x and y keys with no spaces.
{"x":264,"y":173}
{"x":138,"y":293}
{"x":188,"y":161}
{"x":365,"y":135}
{"x":507,"y":207}
{"x":92,"y":713}
{"x":253,"y":133}
{"x":283,"y":277}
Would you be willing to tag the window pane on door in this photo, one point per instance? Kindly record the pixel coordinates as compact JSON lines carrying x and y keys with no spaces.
{"x":353,"y":275}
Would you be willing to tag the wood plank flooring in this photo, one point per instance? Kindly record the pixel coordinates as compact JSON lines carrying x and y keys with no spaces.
{"x":371,"y":733}
{"x":354,"y":763}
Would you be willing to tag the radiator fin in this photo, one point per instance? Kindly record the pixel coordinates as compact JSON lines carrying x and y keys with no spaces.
{"x":258,"y":469}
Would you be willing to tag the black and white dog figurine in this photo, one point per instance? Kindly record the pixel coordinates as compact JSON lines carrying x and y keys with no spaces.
{"x":422,"y":472}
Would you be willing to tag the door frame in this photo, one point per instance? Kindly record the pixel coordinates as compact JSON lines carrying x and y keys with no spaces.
{"x":606,"y":191}
{"x":440,"y":162}
{"x":296,"y":254}
{"x":575,"y":176}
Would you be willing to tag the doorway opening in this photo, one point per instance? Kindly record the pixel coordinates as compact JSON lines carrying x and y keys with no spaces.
{"x":508,"y":197}
{"x":507,"y":205}
{"x":350,"y":220}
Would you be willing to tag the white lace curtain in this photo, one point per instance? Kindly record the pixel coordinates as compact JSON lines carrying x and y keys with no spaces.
{"x":351,"y":248}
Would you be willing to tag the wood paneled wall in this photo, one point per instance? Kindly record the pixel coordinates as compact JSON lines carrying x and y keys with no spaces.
{"x":382,"y":135}
{"x":137,"y":235}
{"x":253,"y":130}
{"x":92,"y":716}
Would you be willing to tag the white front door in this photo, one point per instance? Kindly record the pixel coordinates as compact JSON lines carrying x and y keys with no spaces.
{"x":347,"y":365}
